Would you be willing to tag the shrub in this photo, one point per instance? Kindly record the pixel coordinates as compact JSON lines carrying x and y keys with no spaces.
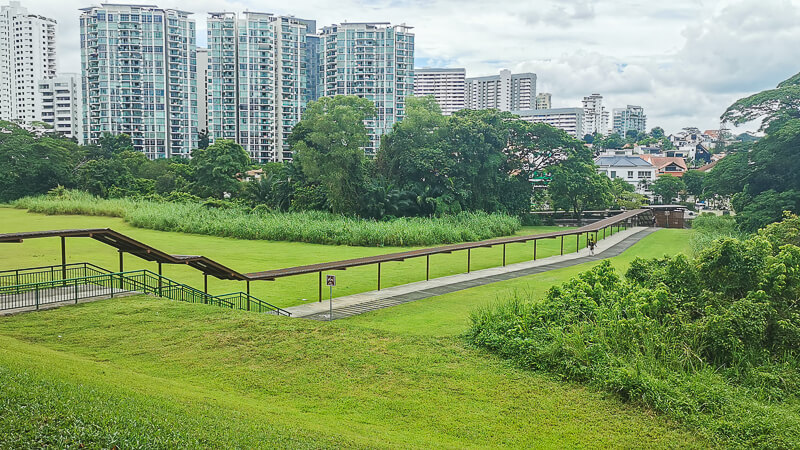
{"x":712,"y":341}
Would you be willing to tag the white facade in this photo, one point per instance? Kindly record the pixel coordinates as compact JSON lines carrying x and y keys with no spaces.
{"x":27,"y":55}
{"x":595,"y":115}
{"x":505,"y":92}
{"x":630,"y":118}
{"x":633,"y":169}
{"x":373,"y":61}
{"x":567,"y":119}
{"x":447,"y":86}
{"x":202,"y":89}
{"x":61,"y":104}
{"x":544,"y":100}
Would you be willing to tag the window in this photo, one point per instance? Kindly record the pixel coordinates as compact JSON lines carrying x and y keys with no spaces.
{"x":630,"y":174}
{"x":613,"y":174}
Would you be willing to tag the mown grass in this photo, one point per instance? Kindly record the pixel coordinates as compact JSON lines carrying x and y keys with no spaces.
{"x":145,"y":372}
{"x":248,"y":256}
{"x":311,"y":226}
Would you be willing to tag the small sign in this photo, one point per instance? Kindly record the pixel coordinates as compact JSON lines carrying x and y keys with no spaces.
{"x":330,"y":280}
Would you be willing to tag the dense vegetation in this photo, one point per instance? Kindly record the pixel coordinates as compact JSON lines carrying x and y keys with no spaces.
{"x":240,"y":221}
{"x":711,"y":341}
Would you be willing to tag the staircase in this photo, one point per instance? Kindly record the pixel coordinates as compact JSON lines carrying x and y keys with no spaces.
{"x":33,"y":288}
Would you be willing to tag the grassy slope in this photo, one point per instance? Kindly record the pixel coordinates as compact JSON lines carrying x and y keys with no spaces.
{"x":245,"y":256}
{"x":117,"y":371}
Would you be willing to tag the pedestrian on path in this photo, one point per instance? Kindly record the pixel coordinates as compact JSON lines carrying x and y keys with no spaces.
{"x":591,"y":246}
{"x":654,"y":221}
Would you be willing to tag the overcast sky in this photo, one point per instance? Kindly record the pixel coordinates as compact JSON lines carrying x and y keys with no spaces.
{"x":684,"y":61}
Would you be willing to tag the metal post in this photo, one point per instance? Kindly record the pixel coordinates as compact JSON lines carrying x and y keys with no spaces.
{"x":379,"y":276}
{"x":577,"y":242}
{"x":427,"y":267}
{"x":469,"y":257}
{"x":534,"y":248}
{"x":76,"y":293}
{"x":159,"y":280}
{"x":604,"y":232}
{"x":205,"y":283}
{"x":63,"y":259}
{"x":37,"y":298}
{"x":562,"y":245}
{"x":330,"y":304}
{"x":320,"y":286}
{"x":120,"y":270}
{"x":248,"y":295}
{"x":504,"y":255}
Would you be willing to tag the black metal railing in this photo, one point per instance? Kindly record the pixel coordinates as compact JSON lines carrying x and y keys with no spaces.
{"x":61,"y":290}
{"x":19,"y":277}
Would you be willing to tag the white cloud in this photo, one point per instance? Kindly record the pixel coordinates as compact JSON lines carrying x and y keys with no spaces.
{"x":684,"y":61}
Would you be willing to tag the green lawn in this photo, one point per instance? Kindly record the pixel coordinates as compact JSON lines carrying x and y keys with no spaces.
{"x":248,"y":256}
{"x":142,"y":371}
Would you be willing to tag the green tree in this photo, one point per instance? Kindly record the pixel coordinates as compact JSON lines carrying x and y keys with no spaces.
{"x":667,"y":187}
{"x":328,"y":145}
{"x":203,"y":139}
{"x":216,"y":167}
{"x":577,"y":186}
{"x":657,"y":133}
{"x":693,"y":179}
{"x":624,"y":195}
{"x":31,"y":165}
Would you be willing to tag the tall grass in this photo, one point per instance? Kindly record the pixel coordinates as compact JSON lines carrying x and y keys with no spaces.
{"x":710,"y":227}
{"x":312,"y":226}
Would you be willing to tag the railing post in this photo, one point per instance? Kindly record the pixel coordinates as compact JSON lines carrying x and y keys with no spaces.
{"x":76,"y":293}
{"x":427,"y":267}
{"x":205,"y":283}
{"x":248,"y":295}
{"x":379,"y":276}
{"x":160,"y":280}
{"x":320,"y":286}
{"x":37,"y":297}
{"x":16,"y":279}
{"x":111,"y":285}
{"x":63,"y":259}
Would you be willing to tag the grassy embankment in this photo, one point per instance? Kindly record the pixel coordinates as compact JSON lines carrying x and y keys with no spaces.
{"x":147,"y":372}
{"x":248,"y":256}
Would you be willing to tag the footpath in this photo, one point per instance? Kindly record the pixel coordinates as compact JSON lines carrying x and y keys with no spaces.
{"x":387,"y":297}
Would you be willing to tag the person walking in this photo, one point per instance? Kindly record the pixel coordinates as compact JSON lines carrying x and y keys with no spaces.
{"x":591,"y":246}
{"x":654,"y":221}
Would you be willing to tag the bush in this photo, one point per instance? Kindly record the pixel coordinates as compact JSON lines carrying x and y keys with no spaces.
{"x":710,"y":227}
{"x":713,"y":341}
{"x":232,"y":219}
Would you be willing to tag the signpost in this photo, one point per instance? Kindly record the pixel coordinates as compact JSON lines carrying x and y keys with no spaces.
{"x":330,"y":280}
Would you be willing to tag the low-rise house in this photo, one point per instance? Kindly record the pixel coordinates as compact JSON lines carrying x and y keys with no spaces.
{"x":631,"y":168}
{"x":667,"y":165}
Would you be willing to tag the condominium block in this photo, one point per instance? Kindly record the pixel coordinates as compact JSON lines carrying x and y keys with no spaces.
{"x":258,"y":87}
{"x":595,"y":115}
{"x":506,"y":92}
{"x":61,"y":104}
{"x":571,"y":120}
{"x":373,"y":61}
{"x":447,"y":86}
{"x":544,"y":100}
{"x":630,"y":118}
{"x":27,"y":55}
{"x":139,"y":77}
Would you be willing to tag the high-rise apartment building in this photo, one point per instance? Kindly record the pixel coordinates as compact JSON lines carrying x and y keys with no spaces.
{"x":447,"y":86}
{"x":630,"y":118}
{"x":373,"y":61}
{"x":202,"y":89}
{"x":544,"y":101}
{"x":27,"y":56}
{"x":258,"y":86}
{"x":571,"y":120}
{"x":139,"y":76}
{"x":60,"y":105}
{"x":506,"y":92}
{"x":595,"y":115}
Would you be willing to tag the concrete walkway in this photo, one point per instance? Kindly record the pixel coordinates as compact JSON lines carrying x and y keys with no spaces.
{"x":368,"y":301}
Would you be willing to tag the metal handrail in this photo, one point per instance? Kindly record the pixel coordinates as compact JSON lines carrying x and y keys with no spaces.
{"x":111,"y":283}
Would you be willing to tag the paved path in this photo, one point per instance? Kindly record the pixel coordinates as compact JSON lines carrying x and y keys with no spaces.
{"x":369,"y":301}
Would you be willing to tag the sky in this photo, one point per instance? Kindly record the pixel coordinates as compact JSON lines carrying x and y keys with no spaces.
{"x":684,"y":61}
